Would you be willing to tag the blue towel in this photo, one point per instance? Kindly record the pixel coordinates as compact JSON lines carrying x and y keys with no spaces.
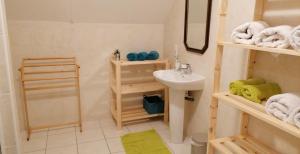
{"x":142,"y":56}
{"x":132,"y":56}
{"x":153,"y":55}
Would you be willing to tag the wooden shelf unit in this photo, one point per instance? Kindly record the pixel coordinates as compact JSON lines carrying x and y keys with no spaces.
{"x":134,"y":113}
{"x":291,"y":52}
{"x":242,"y":143}
{"x":44,"y":74}
{"x":256,"y":110}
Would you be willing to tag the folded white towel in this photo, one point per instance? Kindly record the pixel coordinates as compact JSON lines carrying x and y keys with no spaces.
{"x":296,"y":117}
{"x":283,"y":106}
{"x":295,"y":38}
{"x":246,"y":32}
{"x":274,"y":37}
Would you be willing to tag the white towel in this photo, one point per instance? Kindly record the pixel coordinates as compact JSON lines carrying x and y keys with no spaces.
{"x":246,"y":32}
{"x":296,"y":117}
{"x":274,"y":37}
{"x":283,"y":106}
{"x":295,"y":38}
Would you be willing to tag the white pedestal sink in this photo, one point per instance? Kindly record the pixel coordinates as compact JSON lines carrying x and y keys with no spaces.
{"x":178,"y":83}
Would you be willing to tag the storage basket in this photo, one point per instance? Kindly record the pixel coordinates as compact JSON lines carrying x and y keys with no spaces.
{"x":153,"y":104}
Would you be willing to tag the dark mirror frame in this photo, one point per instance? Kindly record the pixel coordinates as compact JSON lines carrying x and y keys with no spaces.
{"x":208,"y":18}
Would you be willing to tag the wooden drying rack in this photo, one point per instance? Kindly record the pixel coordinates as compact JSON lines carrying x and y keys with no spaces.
{"x":49,"y":67}
{"x":244,"y":142}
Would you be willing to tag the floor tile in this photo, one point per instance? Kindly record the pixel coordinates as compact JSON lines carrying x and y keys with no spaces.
{"x":63,"y":150}
{"x":164,"y":134}
{"x":37,"y":152}
{"x":87,"y":125}
{"x":113,"y":132}
{"x":99,"y":147}
{"x":61,"y":140}
{"x":11,"y":150}
{"x":159,"y":125}
{"x":34,"y":144}
{"x":115,"y":145}
{"x":180,"y":148}
{"x":89,"y":135}
{"x":139,"y":127}
{"x":61,"y":131}
{"x":36,"y":134}
{"x":109,"y":122}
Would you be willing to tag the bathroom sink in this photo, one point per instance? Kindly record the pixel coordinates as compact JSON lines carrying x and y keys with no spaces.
{"x":178,"y":84}
{"x":180,"y":81}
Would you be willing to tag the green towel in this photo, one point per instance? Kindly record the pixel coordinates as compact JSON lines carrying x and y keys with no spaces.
{"x":257,"y":93}
{"x":147,"y":142}
{"x":236,"y":86}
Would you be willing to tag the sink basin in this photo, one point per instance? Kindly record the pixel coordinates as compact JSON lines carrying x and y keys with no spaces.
{"x":178,"y":84}
{"x":179,"y":81}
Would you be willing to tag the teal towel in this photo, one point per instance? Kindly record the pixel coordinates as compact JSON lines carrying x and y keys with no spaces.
{"x":132,"y":56}
{"x":142,"y":56}
{"x":153,"y":55}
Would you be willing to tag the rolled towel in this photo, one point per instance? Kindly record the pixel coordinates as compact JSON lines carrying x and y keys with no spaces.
{"x":295,"y":38}
{"x":274,"y":37}
{"x":257,"y":93}
{"x":132,"y":56}
{"x":283,"y":106}
{"x":296,"y":117}
{"x":246,"y":33}
{"x":236,"y":86}
{"x":142,"y":56}
{"x":153,"y":55}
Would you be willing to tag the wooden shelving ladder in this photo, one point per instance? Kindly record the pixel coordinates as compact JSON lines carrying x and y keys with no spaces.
{"x":242,"y":143}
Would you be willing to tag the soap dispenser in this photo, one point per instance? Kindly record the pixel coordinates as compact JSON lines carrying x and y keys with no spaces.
{"x":117,"y":55}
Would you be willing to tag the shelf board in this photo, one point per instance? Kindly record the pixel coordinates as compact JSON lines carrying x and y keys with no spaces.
{"x":256,"y":110}
{"x":141,"y":87}
{"x":137,"y":113}
{"x":146,"y":62}
{"x":240,"y":145}
{"x":254,"y":47}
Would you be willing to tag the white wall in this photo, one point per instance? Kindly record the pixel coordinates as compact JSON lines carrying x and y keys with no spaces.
{"x":9,"y":127}
{"x":197,"y":113}
{"x":92,"y":44}
{"x":103,"y":11}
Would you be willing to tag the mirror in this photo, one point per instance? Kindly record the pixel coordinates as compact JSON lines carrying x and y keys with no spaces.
{"x":197,"y":25}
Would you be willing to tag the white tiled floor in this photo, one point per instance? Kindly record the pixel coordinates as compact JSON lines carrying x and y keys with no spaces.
{"x":98,"y":137}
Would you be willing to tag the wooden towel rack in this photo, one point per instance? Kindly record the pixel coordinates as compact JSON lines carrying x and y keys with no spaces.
{"x":46,"y":74}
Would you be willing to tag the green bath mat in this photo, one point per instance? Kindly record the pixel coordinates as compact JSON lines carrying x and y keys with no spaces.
{"x":147,"y":142}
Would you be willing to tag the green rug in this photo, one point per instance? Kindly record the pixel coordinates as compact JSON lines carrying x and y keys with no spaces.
{"x":147,"y":142}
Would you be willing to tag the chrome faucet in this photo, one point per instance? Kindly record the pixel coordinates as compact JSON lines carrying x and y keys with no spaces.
{"x":185,"y":68}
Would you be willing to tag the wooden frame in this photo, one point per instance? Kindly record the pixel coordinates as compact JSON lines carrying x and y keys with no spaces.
{"x":126,"y":115}
{"x":207,"y":30}
{"x":54,"y":63}
{"x":242,"y":143}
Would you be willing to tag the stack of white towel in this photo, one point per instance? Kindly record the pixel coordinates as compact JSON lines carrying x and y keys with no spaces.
{"x":259,"y":33}
{"x":285,"y":107}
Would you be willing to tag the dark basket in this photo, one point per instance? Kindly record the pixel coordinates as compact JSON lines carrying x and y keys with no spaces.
{"x":153,"y":104}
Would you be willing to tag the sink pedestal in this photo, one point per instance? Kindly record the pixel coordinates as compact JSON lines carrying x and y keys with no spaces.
{"x":177,"y":115}
{"x":178,"y":84}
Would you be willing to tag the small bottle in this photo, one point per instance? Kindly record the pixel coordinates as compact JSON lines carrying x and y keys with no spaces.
{"x":117,"y":55}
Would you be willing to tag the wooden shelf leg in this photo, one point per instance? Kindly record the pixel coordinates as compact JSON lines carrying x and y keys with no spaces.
{"x":167,"y":100}
{"x":119,"y":95}
{"x":79,"y":98}
{"x":214,"y":102}
{"x":166,"y":110}
{"x":25,"y":105}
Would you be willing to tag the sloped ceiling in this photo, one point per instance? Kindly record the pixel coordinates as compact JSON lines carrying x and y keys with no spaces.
{"x":102,"y":11}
